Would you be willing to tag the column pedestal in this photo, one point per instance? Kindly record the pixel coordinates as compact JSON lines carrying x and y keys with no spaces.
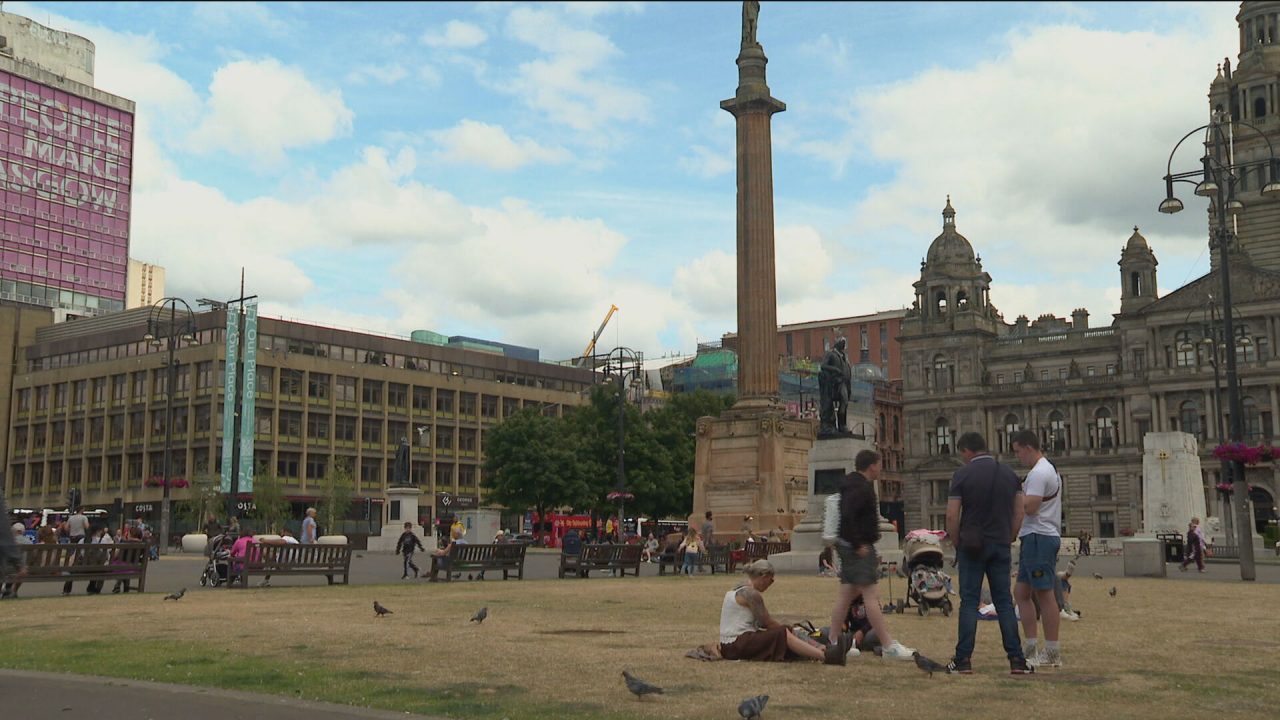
{"x":402,"y":506}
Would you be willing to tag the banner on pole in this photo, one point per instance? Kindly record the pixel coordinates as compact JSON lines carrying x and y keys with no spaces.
{"x":250,"y":391}
{"x":229,"y":398}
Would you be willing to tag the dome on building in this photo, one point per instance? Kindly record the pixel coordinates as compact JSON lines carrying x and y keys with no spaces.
{"x":1136,"y":241}
{"x":950,"y":248}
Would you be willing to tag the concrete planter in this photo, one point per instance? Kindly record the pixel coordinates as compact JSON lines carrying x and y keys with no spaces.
{"x":331,"y":540}
{"x":194,"y":542}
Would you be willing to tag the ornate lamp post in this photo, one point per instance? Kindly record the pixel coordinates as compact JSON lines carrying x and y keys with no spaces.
{"x":170,"y":324}
{"x":622,"y":363}
{"x":1216,"y":179}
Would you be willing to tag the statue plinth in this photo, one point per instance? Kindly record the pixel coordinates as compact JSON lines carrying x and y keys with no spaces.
{"x":402,"y":507}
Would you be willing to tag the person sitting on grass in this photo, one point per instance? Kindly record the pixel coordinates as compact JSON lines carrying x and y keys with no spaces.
{"x":826,"y":562}
{"x":748,"y":632}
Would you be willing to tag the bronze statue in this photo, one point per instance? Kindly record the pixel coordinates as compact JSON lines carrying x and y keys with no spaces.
{"x":750,"y":18}
{"x":835,"y":386}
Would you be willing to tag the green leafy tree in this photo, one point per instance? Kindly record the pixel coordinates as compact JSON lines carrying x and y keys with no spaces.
{"x":336,"y":490}
{"x":532,"y":463}
{"x":271,"y":507}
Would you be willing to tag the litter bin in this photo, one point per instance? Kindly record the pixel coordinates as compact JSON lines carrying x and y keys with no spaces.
{"x":1172,"y":546}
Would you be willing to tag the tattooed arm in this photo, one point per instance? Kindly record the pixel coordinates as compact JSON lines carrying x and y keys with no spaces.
{"x":751,"y":598}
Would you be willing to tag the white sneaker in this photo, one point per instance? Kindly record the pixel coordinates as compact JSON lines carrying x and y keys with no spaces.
{"x":897,"y":651}
{"x":1031,"y":652}
{"x":853,"y":652}
{"x":1049,"y":658}
{"x":1068,"y":615}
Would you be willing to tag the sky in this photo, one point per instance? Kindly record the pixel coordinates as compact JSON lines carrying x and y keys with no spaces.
{"x":511,"y":170}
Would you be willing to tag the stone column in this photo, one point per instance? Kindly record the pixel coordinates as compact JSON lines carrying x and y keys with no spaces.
{"x":753,"y":107}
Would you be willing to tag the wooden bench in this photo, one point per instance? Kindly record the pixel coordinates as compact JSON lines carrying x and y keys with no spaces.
{"x":762,"y":550}
{"x":507,"y":557}
{"x":75,"y":562}
{"x":281,"y":560}
{"x":717,"y":557}
{"x":602,"y":557}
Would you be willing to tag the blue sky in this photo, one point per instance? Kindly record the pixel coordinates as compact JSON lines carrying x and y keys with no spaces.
{"x":510,"y":170}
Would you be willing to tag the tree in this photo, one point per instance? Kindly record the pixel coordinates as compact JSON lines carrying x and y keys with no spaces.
{"x":271,"y":508}
{"x":336,"y":490}
{"x":531,"y":462}
{"x":206,"y":500}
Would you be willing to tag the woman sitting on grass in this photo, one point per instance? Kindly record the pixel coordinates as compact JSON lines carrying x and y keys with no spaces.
{"x":747,"y":632}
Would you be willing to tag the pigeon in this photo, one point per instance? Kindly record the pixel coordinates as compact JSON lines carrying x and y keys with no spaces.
{"x":640,"y":688}
{"x":1097,"y":576}
{"x":379,"y":610}
{"x":927,"y":665}
{"x":176,"y":596}
{"x":1112,"y":591}
{"x":480,"y":615}
{"x":753,"y":708}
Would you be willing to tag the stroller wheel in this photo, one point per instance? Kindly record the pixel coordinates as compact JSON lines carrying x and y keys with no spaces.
{"x":204,"y":580}
{"x":946,"y":607}
{"x":920,"y":608}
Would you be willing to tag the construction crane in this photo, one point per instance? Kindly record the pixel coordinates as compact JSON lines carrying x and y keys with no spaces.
{"x":591,"y":346}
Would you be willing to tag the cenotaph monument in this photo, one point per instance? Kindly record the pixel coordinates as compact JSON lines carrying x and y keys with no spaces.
{"x":752,"y":461}
{"x":1172,"y":483}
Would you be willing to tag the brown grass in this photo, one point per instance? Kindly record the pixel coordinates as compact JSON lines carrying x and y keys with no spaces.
{"x":555,"y":649}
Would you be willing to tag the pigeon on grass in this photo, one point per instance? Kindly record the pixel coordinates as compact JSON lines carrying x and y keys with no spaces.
{"x":638,"y":687}
{"x":379,"y":610}
{"x":176,"y":596}
{"x":927,"y":665}
{"x":480,"y":615}
{"x":753,"y":707}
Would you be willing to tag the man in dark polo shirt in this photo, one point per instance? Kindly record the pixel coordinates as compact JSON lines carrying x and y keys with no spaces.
{"x":984,"y":514}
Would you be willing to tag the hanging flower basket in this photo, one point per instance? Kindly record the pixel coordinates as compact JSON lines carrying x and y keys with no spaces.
{"x":1226,"y":488}
{"x":1239,"y":452}
{"x":159,"y":482}
{"x":617,"y":495}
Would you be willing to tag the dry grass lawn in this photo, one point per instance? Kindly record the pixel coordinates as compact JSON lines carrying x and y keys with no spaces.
{"x":554,"y":649}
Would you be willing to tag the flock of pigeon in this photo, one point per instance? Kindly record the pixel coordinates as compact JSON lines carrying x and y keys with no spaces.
{"x":750,"y":709}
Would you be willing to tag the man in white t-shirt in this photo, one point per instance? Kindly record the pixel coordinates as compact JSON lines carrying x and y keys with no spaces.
{"x":1039,"y":538}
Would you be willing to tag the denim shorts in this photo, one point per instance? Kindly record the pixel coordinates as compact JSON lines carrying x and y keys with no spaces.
{"x":1038,"y":560}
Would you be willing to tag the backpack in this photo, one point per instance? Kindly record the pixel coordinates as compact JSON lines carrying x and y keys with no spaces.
{"x":831,"y":518}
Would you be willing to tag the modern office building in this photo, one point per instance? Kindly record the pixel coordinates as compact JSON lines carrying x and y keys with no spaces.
{"x":89,"y":401}
{"x":145,"y":285}
{"x":66,"y":152}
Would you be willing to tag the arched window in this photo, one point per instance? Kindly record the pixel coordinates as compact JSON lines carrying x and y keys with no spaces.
{"x":1010,"y":427}
{"x":1135,"y":284}
{"x":1105,"y":428}
{"x":1189,"y":418}
{"x":1259,"y":109}
{"x":962,"y":301}
{"x":1246,"y":350}
{"x":1252,"y":419}
{"x":896,"y":429}
{"x":1057,"y":440}
{"x":880,"y":434}
{"x":1184,"y":350}
{"x":942,"y":436}
{"x":943,"y":374}
{"x":940,"y":302}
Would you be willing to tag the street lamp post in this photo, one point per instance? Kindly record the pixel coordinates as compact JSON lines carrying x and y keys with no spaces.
{"x":1216,"y":180}
{"x":168,"y":328}
{"x":623,"y":363}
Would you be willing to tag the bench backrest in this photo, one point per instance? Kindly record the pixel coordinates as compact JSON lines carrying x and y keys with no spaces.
{"x":48,"y":559}
{"x":300,"y":556}
{"x":606,"y":553}
{"x":479,"y":552}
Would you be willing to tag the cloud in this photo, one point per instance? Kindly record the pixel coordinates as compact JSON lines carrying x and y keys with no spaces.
{"x":238,"y":16}
{"x":1051,"y":154}
{"x":388,"y":74}
{"x":569,"y":83}
{"x":455,"y":34}
{"x":430,"y":76}
{"x":596,"y":9}
{"x":475,"y":142}
{"x":260,"y":109}
{"x":706,"y":163}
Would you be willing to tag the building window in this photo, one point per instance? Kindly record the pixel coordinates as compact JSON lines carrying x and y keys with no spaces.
{"x":1011,"y":426}
{"x":1104,"y":428}
{"x":467,"y":404}
{"x":318,"y":386}
{"x":1106,"y":524}
{"x":371,"y":431}
{"x":1062,"y":373}
{"x":1111,"y":369}
{"x":317,"y":426}
{"x":943,"y":373}
{"x":422,"y":400}
{"x":1144,"y":427}
{"x":489,"y":406}
{"x":1139,"y":359}
{"x":1102,"y":486}
{"x":941,"y":491}
{"x":1264,"y":348}
{"x":1017,"y":377}
{"x":345,"y":389}
{"x":317,"y":466}
{"x":444,"y":401}
{"x":999,"y":378}
{"x":942,"y":437}
{"x":1184,"y":350}
{"x":1056,"y":442}
{"x":1189,"y":418}
{"x":1252,"y":419}
{"x":344,"y":428}
{"x":397,"y":395}
{"x":290,"y":383}
{"x":290,"y":425}
{"x":895,"y":430}
{"x":1089,"y":371}
{"x":371,"y":392}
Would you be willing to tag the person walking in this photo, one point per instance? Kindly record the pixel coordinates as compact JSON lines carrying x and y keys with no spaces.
{"x":406,"y":546}
{"x":309,"y":528}
{"x":77,"y":531}
{"x":12,"y":557}
{"x":984,"y":515}
{"x":692,"y":547}
{"x":856,"y":546}
{"x":708,"y":528}
{"x":1039,"y":540}
{"x":1196,"y":546}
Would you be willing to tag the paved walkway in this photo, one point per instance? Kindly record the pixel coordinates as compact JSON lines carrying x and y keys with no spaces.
{"x":177,"y":571}
{"x":49,"y":695}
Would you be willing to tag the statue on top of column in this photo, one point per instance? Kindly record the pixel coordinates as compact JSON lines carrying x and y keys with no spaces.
{"x":750,"y":18}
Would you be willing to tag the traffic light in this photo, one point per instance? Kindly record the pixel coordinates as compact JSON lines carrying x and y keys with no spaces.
{"x":368,"y":508}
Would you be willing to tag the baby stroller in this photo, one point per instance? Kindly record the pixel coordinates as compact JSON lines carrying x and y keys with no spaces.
{"x":927,"y":584}
{"x":218,"y":567}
